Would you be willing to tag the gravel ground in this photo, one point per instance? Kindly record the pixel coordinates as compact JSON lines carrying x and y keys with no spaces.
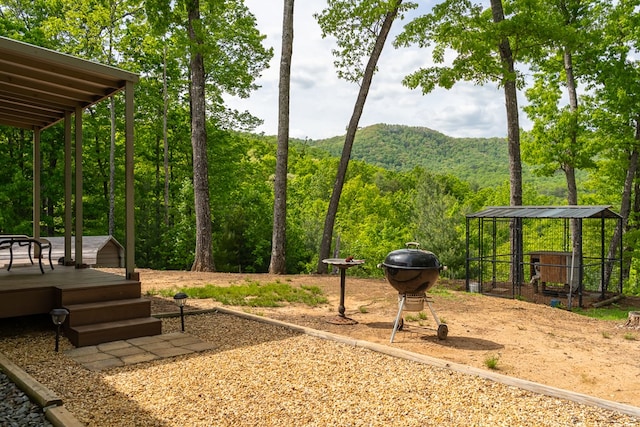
{"x":16,"y":410}
{"x":268,"y":375}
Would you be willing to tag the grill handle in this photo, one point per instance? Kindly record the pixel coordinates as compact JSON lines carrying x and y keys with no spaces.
{"x":416,"y":245}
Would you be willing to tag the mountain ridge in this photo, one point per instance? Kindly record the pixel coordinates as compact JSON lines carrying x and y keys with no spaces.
{"x":482,"y":161}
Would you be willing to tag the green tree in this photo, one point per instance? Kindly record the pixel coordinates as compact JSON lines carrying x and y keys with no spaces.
{"x":487,"y":44}
{"x":225,"y":54}
{"x":615,"y":113}
{"x":361,"y":29}
{"x":440,"y":211}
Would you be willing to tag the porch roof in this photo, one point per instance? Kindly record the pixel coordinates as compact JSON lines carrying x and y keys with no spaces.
{"x":38,"y":85}
{"x":546,"y":212}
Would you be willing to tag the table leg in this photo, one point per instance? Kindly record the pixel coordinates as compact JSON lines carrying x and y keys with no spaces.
{"x":39,"y":256}
{"x":343,"y":272}
{"x":10,"y":256}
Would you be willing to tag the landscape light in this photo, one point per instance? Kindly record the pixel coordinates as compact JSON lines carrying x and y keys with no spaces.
{"x":58,"y":316}
{"x":181,"y":298}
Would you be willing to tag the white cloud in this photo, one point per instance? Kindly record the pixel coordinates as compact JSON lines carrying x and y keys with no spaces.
{"x":322,"y":105}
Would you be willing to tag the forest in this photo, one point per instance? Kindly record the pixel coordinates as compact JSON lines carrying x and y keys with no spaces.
{"x":402,"y":183}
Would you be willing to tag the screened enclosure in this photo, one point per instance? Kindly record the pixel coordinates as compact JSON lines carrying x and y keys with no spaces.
{"x":556,"y":254}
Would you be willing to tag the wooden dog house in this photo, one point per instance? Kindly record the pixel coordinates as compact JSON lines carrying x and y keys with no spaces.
{"x":97,"y":251}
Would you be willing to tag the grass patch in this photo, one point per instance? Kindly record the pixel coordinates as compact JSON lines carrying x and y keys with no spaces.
{"x":441,"y":291}
{"x":491,"y":362}
{"x":612,"y":312}
{"x":411,"y":318}
{"x":255,"y":294}
{"x":421,"y":315}
{"x":630,"y":337}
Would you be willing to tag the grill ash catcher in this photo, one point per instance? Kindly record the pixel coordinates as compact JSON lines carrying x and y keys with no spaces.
{"x":412,"y":272}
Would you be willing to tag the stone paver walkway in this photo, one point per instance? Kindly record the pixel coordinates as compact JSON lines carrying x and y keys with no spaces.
{"x":137,"y":350}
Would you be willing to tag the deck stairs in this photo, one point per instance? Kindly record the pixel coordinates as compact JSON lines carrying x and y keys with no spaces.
{"x":105,"y":313}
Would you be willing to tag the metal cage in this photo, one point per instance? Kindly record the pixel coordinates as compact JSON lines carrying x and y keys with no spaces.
{"x":528,"y":252}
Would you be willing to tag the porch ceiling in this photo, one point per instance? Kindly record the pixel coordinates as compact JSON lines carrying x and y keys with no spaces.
{"x":38,"y":85}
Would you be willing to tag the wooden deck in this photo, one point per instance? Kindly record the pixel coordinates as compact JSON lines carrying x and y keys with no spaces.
{"x":24,"y":290}
{"x":102,"y":306}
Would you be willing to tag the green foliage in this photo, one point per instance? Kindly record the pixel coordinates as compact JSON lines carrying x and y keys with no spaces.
{"x":256,"y":294}
{"x":440,"y":219}
{"x":482,"y":162}
{"x":354,"y":25}
{"x":611,"y":312}
{"x":403,"y":183}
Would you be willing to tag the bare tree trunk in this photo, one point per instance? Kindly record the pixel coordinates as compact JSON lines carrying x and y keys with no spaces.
{"x":625,"y":208}
{"x":569,"y":170}
{"x":632,"y":227}
{"x":165,"y":113}
{"x":513,"y":141}
{"x":332,"y":211}
{"x":279,"y":237}
{"x":112,"y":147}
{"x":204,"y":253}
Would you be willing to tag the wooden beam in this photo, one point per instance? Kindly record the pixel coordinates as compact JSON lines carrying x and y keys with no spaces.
{"x":68,"y":189}
{"x":129,"y":181}
{"x":36,"y":185}
{"x":78,"y":189}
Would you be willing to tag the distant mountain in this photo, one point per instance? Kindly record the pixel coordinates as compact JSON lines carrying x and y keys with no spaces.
{"x":479,"y":161}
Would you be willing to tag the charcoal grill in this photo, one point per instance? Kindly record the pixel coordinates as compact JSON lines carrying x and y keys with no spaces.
{"x":412,"y":272}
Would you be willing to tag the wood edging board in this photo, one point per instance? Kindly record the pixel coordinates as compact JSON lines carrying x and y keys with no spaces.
{"x":39,"y":394}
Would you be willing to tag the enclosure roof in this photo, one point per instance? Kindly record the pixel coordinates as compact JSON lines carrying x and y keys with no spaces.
{"x":38,"y":85}
{"x":546,"y":212}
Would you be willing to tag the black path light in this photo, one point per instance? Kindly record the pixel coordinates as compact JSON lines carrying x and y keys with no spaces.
{"x":58,"y":316}
{"x":181,"y":298}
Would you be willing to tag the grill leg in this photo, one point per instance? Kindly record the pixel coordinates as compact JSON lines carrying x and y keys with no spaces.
{"x":433,"y":313}
{"x":443,"y":329}
{"x":395,"y":325}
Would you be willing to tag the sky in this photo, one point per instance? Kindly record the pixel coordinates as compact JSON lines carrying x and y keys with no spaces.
{"x":321,"y":104}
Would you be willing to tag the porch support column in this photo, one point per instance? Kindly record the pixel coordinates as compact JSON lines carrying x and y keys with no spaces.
{"x":129,"y":187}
{"x":68,"y":189}
{"x":78,"y":200}
{"x":36,"y":184}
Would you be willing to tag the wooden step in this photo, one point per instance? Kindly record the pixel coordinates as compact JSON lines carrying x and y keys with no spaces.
{"x":82,"y":336}
{"x":81,"y":294}
{"x":107,"y":311}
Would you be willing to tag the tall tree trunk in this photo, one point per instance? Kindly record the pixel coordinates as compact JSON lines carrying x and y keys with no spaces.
{"x":330,"y":219}
{"x":112,"y":147}
{"x":632,"y":227}
{"x":165,"y":113}
{"x":513,"y":141}
{"x":204,"y":247}
{"x":277,"y":264}
{"x":625,"y":208}
{"x":569,"y":170}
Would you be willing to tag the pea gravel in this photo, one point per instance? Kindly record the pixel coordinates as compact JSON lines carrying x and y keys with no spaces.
{"x":266,"y":375}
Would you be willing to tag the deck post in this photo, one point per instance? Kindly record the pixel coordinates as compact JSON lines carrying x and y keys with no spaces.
{"x":36,"y":184}
{"x":68,"y":189}
{"x":129,"y":187}
{"x":78,"y":200}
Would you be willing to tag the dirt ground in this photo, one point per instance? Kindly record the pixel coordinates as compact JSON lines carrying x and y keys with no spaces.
{"x":530,"y":341}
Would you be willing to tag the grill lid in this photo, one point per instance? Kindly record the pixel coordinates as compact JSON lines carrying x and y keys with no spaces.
{"x":411,"y":258}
